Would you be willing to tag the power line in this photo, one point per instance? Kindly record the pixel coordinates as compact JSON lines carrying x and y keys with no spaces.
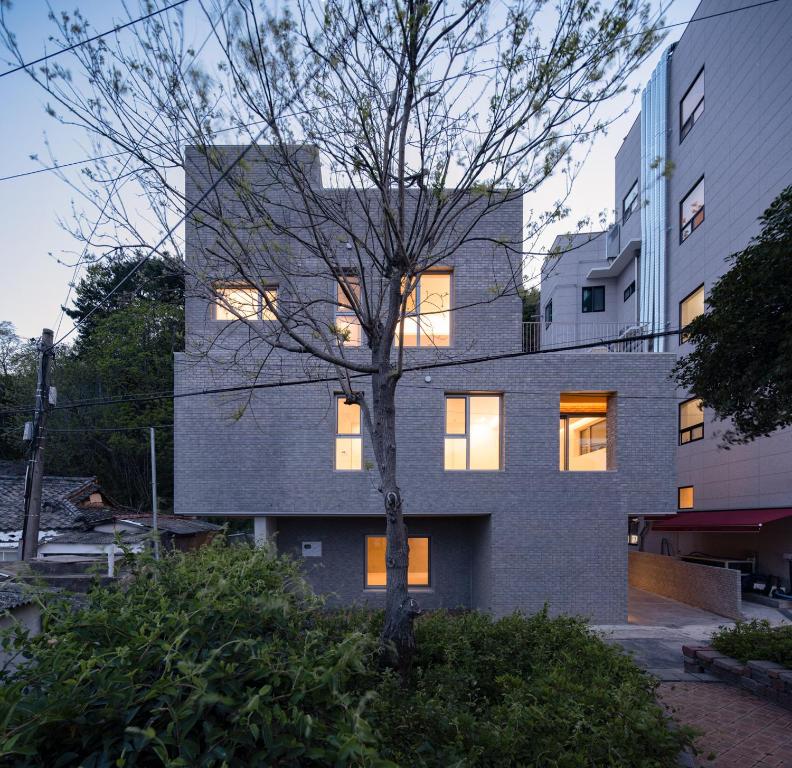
{"x":117,"y":28}
{"x":110,"y":155}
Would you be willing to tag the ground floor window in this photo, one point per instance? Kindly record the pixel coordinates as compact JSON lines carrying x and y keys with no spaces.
{"x":417,"y":564}
{"x":583,"y":433}
{"x":7,"y":555}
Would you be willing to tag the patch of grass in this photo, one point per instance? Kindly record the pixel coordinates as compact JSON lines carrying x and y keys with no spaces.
{"x":756,"y":640}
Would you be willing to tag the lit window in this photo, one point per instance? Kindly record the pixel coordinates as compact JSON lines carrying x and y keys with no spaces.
{"x":594,"y":299}
{"x":629,"y":290}
{"x":583,"y":433}
{"x":685,"y":497}
{"x":691,"y":421}
{"x":473,"y":432}
{"x":548,"y":313}
{"x":248,"y":302}
{"x":348,"y":449}
{"x":634,"y":531}
{"x":692,"y":106}
{"x":691,"y":211}
{"x":417,"y":561}
{"x":347,"y":323}
{"x":630,"y":202}
{"x":427,"y":322}
{"x":689,"y":309}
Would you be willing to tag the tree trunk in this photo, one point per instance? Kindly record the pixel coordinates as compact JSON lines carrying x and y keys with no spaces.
{"x":398,"y":637}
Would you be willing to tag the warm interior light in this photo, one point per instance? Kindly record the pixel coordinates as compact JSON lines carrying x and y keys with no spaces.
{"x":417,"y":563}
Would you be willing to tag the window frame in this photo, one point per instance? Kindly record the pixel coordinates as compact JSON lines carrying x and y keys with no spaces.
{"x":261,"y":306}
{"x":338,"y":397}
{"x":382,"y":588}
{"x":692,"y":222}
{"x":629,"y":290}
{"x":689,"y":430}
{"x":591,"y":288}
{"x":681,"y":488}
{"x":417,"y":313}
{"x":548,"y":321}
{"x":582,"y":415}
{"x":687,"y":126}
{"x":627,"y":212}
{"x":682,"y":338}
{"x":466,"y":435}
{"x":345,"y":314}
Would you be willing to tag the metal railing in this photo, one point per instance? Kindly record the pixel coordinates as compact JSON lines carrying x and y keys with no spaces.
{"x":615,"y":337}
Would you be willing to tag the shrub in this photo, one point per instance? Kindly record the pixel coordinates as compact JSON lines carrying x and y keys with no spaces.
{"x":223,"y":657}
{"x":756,"y":640}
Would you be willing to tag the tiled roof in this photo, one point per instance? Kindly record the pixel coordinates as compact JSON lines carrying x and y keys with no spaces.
{"x":60,"y":497}
{"x":96,"y":537}
{"x":13,"y":596}
{"x":171,"y":524}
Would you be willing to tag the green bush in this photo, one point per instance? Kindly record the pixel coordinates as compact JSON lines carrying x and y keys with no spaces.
{"x":756,"y":640}
{"x":223,"y":657}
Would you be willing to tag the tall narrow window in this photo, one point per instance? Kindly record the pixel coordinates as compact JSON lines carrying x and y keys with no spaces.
{"x":685,"y":497}
{"x":583,"y":433}
{"x":691,"y":108}
{"x":691,"y":210}
{"x":629,"y":290}
{"x":548,"y":313}
{"x":346,"y":321}
{"x":417,"y":562}
{"x":246,"y":301}
{"x":473,"y":432}
{"x":630,"y":202}
{"x":428,"y":312}
{"x":691,"y":421}
{"x":348,"y":444}
{"x":594,"y":299}
{"x":689,"y":309}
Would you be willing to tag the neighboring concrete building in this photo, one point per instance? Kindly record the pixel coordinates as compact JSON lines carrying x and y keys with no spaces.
{"x":708,"y":153}
{"x":518,"y":475}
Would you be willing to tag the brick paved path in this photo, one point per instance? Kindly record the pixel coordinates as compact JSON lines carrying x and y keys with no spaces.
{"x":740,"y":730}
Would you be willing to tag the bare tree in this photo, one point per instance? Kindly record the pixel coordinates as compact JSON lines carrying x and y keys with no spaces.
{"x":427,"y":117}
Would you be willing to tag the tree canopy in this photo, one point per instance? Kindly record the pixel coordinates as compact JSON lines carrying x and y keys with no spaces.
{"x":741,"y":364}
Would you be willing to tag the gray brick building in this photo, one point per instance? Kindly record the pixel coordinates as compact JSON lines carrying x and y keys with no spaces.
{"x":708,"y":153}
{"x":502,"y":513}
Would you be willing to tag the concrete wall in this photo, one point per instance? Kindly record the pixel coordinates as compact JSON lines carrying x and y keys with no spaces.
{"x":713,"y":589}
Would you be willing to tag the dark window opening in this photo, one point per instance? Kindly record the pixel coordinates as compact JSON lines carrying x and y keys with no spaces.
{"x":594,"y":299}
{"x":629,"y":290}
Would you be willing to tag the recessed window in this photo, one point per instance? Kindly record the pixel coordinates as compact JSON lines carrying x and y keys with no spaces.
{"x":689,"y":309}
{"x":240,"y":301}
{"x":629,"y":290}
{"x":685,"y":497}
{"x":583,"y":433}
{"x":691,"y":211}
{"x":548,"y":313}
{"x":594,"y":299}
{"x":347,"y":324}
{"x":417,"y":562}
{"x":691,"y":421}
{"x":349,"y":443}
{"x":473,"y":432}
{"x":634,"y":531}
{"x":427,"y":321}
{"x":630,"y":202}
{"x":691,"y":108}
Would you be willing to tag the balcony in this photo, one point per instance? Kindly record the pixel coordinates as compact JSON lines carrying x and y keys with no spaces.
{"x":608,"y":337}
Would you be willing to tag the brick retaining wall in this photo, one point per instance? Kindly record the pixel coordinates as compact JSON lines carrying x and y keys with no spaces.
{"x":703,"y":586}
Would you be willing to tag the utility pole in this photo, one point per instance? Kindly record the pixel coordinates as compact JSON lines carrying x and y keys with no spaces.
{"x":35,"y":468}
{"x":154,"y":493}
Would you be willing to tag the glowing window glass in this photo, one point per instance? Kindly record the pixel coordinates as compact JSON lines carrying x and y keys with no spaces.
{"x":417,"y":562}
{"x":473,"y":432}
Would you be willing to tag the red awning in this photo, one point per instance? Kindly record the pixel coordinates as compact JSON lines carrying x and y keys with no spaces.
{"x":724,"y":521}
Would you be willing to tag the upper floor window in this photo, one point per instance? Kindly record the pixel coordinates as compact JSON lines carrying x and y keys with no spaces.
{"x":685,"y":497}
{"x":473,"y":432}
{"x":583,"y":433}
{"x":689,"y":309}
{"x":634,"y":531}
{"x":548,"y":313}
{"x":246,"y":301}
{"x":630,"y":202}
{"x":629,"y":290}
{"x":346,"y":321}
{"x":691,"y":210}
{"x":428,"y":312}
{"x":692,"y":106}
{"x":594,"y":298}
{"x":691,"y":421}
{"x":417,"y":562}
{"x":349,"y":442}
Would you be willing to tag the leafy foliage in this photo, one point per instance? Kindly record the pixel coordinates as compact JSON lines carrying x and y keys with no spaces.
{"x":223,"y":657}
{"x":755,"y":640}
{"x":742,"y":362}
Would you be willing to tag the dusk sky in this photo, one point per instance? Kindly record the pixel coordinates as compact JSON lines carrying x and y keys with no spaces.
{"x":34,"y":284}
